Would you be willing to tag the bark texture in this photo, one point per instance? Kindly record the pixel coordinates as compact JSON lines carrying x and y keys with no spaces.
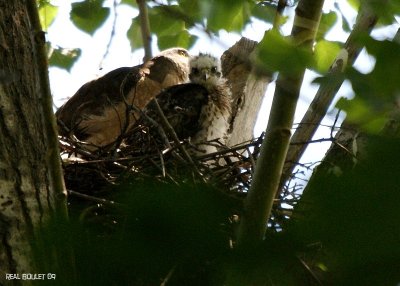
{"x":248,"y":90}
{"x":27,"y":172}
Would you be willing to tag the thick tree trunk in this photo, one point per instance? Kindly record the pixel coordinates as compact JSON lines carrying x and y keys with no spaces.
{"x":248,"y":90}
{"x":30,"y":169}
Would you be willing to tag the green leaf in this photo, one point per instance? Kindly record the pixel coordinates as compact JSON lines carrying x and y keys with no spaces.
{"x":131,"y":3}
{"x":168,"y":24}
{"x":381,"y":85}
{"x":89,"y":15}
{"x":183,"y":39}
{"x":345,"y":24}
{"x":264,"y":12}
{"x":384,"y":77}
{"x":164,"y":22}
{"x":64,"y":58}
{"x":325,"y":53}
{"x":218,"y":14}
{"x":360,"y":208}
{"x":134,"y":34}
{"x":328,"y":20}
{"x":386,"y":12}
{"x":47,"y":14}
{"x":355,"y":4}
{"x":191,"y":9}
{"x":277,"y":53}
{"x":368,"y":117}
{"x":226,"y":14}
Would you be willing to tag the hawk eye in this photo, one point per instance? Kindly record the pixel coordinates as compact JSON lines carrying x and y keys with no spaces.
{"x":195,"y":71}
{"x":183,"y":53}
{"x":214,"y":69}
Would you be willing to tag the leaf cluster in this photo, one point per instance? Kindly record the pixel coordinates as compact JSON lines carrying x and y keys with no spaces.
{"x":348,"y":222}
{"x":376,"y":92}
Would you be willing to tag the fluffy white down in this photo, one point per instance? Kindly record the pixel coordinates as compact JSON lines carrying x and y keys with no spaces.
{"x":206,"y":70}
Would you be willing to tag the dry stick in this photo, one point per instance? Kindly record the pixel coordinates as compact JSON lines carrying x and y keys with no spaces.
{"x":112,"y":34}
{"x":71,"y":146}
{"x":94,"y":199}
{"x":313,"y":275}
{"x":171,"y":131}
{"x":250,"y":143}
{"x":145,"y":29}
{"x":162,"y":169}
{"x":326,"y":93}
{"x":169,"y":275}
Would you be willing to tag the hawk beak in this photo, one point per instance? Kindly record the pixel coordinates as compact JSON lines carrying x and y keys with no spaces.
{"x":205,"y":75}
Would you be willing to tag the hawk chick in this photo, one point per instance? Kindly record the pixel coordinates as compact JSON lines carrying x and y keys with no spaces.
{"x":214,"y":119}
{"x":105,"y":108}
{"x":199,"y":110}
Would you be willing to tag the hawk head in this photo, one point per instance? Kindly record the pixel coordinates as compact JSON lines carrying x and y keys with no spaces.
{"x":205,"y":70}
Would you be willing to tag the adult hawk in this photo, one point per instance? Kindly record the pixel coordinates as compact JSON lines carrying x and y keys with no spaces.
{"x":199,"y":110}
{"x":105,"y":108}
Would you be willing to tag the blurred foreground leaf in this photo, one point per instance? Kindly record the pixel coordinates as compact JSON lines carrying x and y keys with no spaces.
{"x":354,"y":219}
{"x":64,"y":58}
{"x":47,"y":14}
{"x":278,"y":53}
{"x":89,"y":15}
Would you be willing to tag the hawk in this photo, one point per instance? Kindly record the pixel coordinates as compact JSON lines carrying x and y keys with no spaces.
{"x":199,"y":110}
{"x":104,"y":109}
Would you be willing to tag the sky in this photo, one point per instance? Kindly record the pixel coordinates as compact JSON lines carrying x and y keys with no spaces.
{"x":91,"y":64}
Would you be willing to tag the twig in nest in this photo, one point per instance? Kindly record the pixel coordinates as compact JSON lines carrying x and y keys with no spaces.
{"x":94,"y":199}
{"x":159,"y":128}
{"x":171,"y":131}
{"x":166,"y":174}
{"x":73,"y":146}
{"x":252,"y":161}
{"x":162,"y":164}
{"x":169,"y":275}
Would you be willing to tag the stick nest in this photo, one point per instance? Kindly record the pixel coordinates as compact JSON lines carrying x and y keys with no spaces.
{"x":93,"y":175}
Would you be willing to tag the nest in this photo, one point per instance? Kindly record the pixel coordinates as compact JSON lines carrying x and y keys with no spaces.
{"x":92,"y":172}
{"x":92,"y":176}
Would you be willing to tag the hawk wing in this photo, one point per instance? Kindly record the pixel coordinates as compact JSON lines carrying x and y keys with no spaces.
{"x":103,"y":109}
{"x":93,"y":98}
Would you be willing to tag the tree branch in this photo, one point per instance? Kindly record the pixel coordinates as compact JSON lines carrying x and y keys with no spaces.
{"x":259,"y":201}
{"x":145,"y":29}
{"x":326,"y":93}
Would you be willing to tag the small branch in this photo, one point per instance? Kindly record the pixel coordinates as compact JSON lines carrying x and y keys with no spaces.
{"x":313,"y":275}
{"x":145,"y":29}
{"x":171,"y":131}
{"x":169,"y":275}
{"x":73,"y":146}
{"x":112,"y":34}
{"x":94,"y":199}
{"x":313,"y":141}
